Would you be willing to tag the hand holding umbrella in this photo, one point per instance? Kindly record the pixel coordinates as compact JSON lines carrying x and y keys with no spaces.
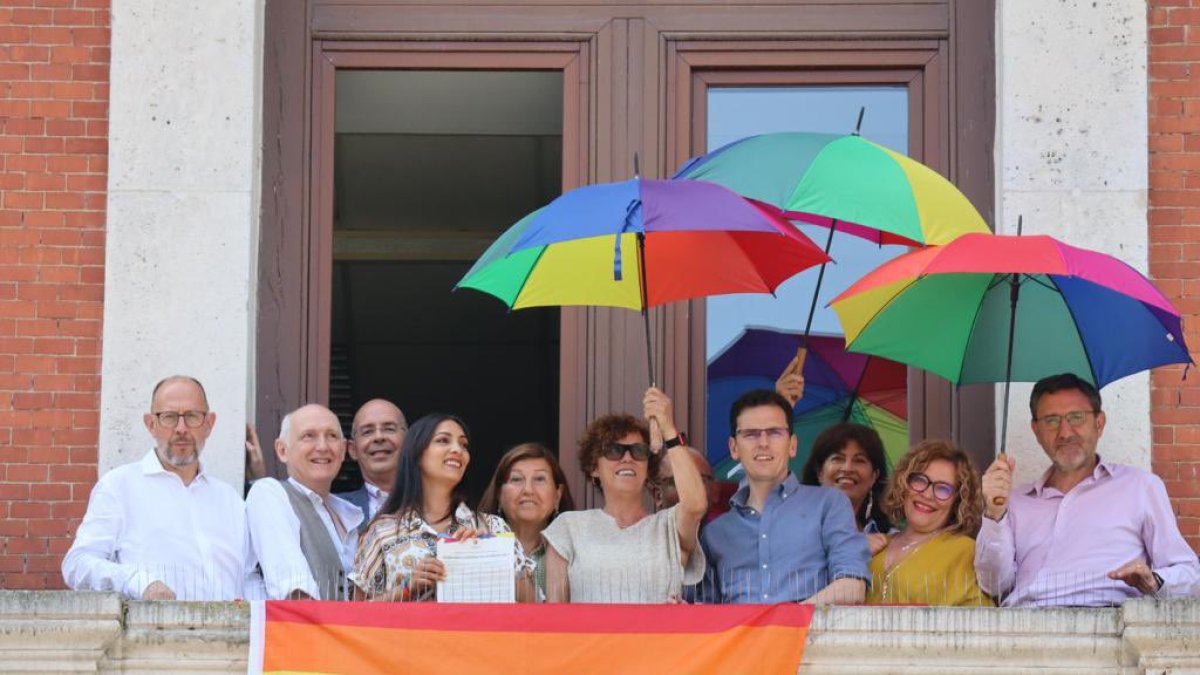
{"x":997,"y":486}
{"x":790,"y":384}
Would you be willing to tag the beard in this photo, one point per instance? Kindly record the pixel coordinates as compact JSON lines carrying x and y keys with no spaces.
{"x":169,"y":457}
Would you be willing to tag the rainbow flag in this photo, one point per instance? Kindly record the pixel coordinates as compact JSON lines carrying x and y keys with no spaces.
{"x":360,"y":637}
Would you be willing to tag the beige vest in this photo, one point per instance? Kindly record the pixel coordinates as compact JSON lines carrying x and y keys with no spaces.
{"x":319,"y":550}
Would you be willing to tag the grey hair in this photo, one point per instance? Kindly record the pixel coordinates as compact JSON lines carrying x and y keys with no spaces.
{"x":285,"y":427}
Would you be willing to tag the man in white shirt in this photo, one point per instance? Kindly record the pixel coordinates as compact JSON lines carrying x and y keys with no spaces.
{"x":162,"y":528}
{"x":302,"y":537}
{"x":375,"y":437}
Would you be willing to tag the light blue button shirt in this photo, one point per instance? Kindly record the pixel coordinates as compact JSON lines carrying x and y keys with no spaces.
{"x":804,"y":538}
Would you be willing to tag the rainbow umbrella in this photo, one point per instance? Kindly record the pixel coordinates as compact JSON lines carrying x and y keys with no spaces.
{"x":641,"y":243}
{"x":843,"y":182}
{"x":827,"y":179}
{"x":987,"y":308}
{"x":839,"y":386}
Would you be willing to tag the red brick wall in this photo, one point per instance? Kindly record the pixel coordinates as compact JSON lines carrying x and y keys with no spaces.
{"x":54,"y":57}
{"x":1174,"y":66}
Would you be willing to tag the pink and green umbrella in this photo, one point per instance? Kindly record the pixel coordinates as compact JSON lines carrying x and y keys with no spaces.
{"x":987,"y":308}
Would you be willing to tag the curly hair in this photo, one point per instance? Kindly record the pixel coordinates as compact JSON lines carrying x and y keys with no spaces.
{"x":605,"y":431}
{"x":490,"y":502}
{"x":967,"y":513}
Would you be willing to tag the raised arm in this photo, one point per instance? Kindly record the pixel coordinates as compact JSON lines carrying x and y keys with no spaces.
{"x":995,"y":548}
{"x":693,"y":497}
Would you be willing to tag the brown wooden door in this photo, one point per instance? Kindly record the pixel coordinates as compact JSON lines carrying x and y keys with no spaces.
{"x":635,"y":76}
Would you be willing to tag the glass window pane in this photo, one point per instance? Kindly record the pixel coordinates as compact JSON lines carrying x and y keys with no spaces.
{"x":737,"y":112}
{"x":430,"y":168}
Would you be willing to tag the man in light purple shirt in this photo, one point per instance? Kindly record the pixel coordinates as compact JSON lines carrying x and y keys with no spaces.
{"x":1088,"y":532}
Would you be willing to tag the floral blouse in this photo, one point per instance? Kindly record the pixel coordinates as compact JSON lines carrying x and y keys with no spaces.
{"x":393,"y":545}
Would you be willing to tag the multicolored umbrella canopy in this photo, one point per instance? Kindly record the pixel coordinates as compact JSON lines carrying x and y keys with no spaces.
{"x":839,"y":386}
{"x":641,"y":243}
{"x":948,"y":310}
{"x":871,"y":191}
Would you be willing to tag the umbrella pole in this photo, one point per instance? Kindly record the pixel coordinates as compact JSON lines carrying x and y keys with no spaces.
{"x":857,"y":387}
{"x":641,"y":239}
{"x":812,"y":308}
{"x":1014,"y":293}
{"x":656,"y":439}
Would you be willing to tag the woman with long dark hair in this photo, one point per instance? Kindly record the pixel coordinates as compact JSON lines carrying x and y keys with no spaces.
{"x":397,"y":555}
{"x":850,"y":457}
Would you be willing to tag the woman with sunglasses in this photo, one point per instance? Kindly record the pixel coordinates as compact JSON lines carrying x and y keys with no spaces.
{"x":935,"y":492}
{"x":622,"y":553}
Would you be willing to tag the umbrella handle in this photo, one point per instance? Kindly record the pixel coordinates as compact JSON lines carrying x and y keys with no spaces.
{"x":1000,"y":501}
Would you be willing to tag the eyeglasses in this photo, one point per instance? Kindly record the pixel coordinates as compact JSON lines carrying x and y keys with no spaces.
{"x":752,"y":435}
{"x":170,"y":418}
{"x":638,"y":451}
{"x":1075,"y":418}
{"x":942,"y":491}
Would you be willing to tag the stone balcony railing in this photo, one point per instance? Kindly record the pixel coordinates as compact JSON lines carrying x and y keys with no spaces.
{"x":54,"y":631}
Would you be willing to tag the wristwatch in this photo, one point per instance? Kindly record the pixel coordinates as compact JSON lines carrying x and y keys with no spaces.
{"x":680,"y":439}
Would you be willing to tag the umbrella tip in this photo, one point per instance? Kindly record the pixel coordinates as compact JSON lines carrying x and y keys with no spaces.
{"x":637,"y":171}
{"x":1020,"y":223}
{"x":858,"y":125}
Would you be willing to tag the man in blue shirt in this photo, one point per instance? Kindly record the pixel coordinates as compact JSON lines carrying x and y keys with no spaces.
{"x":781,"y":541}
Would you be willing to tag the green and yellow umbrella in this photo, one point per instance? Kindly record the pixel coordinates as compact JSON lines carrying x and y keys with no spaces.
{"x":861,"y":187}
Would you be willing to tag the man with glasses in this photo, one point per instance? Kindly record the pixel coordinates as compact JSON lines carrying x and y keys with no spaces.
{"x":375,"y":437}
{"x":162,"y":528}
{"x":1088,"y":532}
{"x":780,"y":541}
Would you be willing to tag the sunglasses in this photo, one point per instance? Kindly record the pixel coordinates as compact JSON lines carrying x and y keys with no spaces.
{"x":942,"y":491}
{"x":638,"y":451}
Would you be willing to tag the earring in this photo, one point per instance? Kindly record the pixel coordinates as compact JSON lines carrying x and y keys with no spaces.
{"x":870,"y":506}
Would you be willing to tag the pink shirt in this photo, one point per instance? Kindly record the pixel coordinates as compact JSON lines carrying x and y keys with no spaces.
{"x":1056,"y":549}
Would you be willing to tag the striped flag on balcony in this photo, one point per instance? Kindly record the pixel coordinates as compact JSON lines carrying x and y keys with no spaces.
{"x":341,"y":637}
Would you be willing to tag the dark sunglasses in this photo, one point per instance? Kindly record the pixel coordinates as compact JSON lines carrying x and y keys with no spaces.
{"x":942,"y":491}
{"x":615,"y":451}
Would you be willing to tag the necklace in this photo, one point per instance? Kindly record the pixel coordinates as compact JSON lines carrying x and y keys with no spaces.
{"x":902,"y":554}
{"x":437,"y":524}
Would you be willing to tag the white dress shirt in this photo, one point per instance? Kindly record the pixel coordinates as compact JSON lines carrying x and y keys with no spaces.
{"x":144,"y":525}
{"x":275,"y":536}
{"x":375,"y":499}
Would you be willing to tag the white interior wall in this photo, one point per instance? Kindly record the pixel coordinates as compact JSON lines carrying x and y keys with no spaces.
{"x":182,"y":226}
{"x":1071,"y":156}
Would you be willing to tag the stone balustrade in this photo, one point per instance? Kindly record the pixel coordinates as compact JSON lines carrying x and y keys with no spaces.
{"x":55,"y":631}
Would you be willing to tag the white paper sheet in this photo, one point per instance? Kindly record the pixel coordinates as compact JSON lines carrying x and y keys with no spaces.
{"x":478,"y":570}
